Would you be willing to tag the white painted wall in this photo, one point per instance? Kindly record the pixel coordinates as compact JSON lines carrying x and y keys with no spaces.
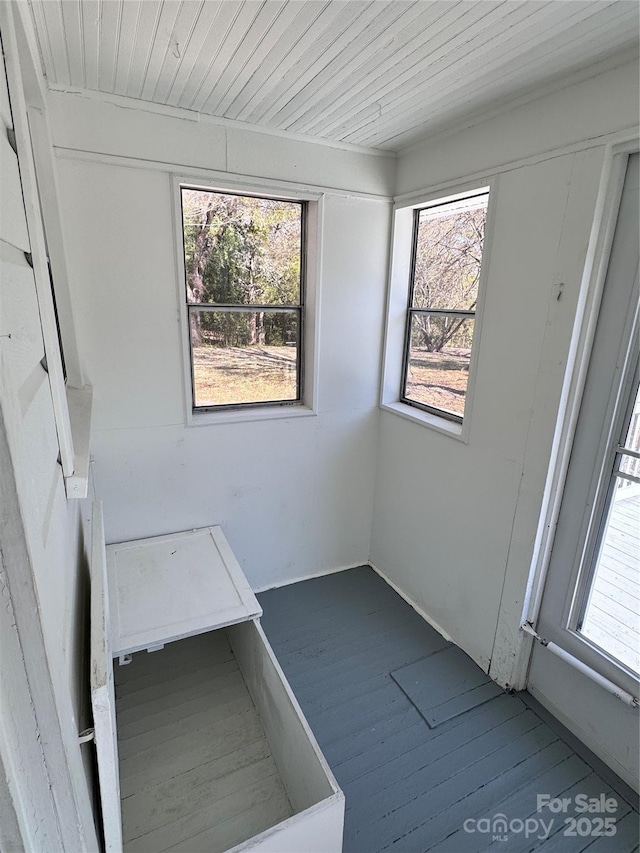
{"x":294,"y":496}
{"x":454,"y":524}
{"x":164,"y":137}
{"x":442,"y":507}
{"x":581,"y":115}
{"x":43,"y":676}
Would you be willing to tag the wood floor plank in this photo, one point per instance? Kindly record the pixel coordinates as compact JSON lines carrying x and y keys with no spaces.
{"x":610,"y":577}
{"x":138,"y":720}
{"x":396,"y":643}
{"x":180,"y":734}
{"x":354,"y":744}
{"x":438,"y":761}
{"x":481,"y":794}
{"x":177,"y":797}
{"x":194,"y":758}
{"x":323,"y":659}
{"x":398,"y":746}
{"x":174,"y":683}
{"x":358,"y":589}
{"x":616,"y":601}
{"x":521,"y":804}
{"x":453,"y":800}
{"x":142,"y":679}
{"x":404,"y":791}
{"x":194,"y":715}
{"x":623,"y":564}
{"x":182,"y":830}
{"x":561,"y":840}
{"x":330,"y":602}
{"x":450,"y":748}
{"x":202,"y":646}
{"x":625,"y":839}
{"x":186,"y":753}
{"x":331,"y":629}
{"x":331,"y":723}
{"x":247,"y":817}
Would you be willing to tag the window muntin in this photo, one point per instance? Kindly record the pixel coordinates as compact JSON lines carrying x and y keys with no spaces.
{"x":244,"y":277}
{"x":445,"y":274}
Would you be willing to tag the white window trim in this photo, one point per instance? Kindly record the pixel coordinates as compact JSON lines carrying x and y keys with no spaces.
{"x":308,"y":406}
{"x":71,"y":400}
{"x":581,"y":577}
{"x":398,"y":302}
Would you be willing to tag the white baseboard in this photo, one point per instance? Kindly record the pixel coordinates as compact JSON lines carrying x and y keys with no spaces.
{"x":409,"y":601}
{"x":309,"y":577}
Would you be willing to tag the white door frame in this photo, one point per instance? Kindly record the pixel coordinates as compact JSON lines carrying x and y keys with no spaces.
{"x":595,"y":271}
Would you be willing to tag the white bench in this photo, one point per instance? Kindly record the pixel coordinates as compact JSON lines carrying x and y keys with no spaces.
{"x":152,"y":592}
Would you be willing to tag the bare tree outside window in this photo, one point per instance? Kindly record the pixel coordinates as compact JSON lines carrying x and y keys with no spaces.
{"x":244,"y":292}
{"x":447,"y":258}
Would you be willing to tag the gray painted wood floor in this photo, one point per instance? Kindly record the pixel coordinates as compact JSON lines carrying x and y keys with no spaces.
{"x":410,"y":787}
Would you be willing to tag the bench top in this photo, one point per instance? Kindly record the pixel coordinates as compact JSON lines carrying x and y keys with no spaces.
{"x":169,"y":587}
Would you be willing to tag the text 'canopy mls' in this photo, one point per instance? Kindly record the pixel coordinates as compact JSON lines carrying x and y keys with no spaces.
{"x":241,"y":250}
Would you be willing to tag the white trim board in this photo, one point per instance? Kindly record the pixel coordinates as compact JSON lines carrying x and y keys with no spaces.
{"x":211,"y":176}
{"x":204,"y":118}
{"x":322,"y":573}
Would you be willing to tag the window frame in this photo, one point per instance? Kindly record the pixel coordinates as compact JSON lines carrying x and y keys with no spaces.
{"x":604,"y":496}
{"x":399,"y":307}
{"x":312,"y":215}
{"x":558,"y":621}
{"x":607,"y":460}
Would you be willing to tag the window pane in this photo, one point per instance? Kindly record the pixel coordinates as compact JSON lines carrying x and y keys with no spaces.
{"x":612,"y":615}
{"x":438,"y":364}
{"x":241,"y":250}
{"x":244,"y":357}
{"x":630,"y":464}
{"x":448,"y":255}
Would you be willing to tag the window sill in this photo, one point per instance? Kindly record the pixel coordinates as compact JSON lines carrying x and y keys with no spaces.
{"x":268,"y":413}
{"x":442,"y":425}
{"x":79,"y":401}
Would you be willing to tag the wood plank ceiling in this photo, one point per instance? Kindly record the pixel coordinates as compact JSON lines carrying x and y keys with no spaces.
{"x":376,"y":73}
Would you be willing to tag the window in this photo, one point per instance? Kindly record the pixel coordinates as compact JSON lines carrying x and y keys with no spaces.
{"x":446,"y":260}
{"x":244,"y":278}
